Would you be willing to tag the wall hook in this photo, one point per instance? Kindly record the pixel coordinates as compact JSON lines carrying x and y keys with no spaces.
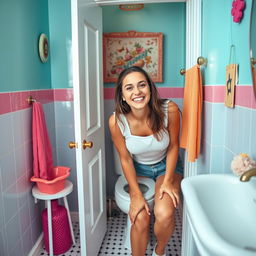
{"x":182,"y":71}
{"x":30,"y":100}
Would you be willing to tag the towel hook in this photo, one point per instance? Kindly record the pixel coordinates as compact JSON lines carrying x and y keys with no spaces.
{"x":201,"y":61}
{"x":30,"y":100}
{"x":182,"y":71}
{"x":253,"y":61}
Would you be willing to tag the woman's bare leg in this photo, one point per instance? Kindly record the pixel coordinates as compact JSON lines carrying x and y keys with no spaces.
{"x":140,"y":234}
{"x":164,"y":215}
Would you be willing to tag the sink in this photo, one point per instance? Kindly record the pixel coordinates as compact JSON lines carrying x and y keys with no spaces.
{"x":221,"y":212}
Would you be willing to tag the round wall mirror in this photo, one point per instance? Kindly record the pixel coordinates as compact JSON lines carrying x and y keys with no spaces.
{"x":253,"y":44}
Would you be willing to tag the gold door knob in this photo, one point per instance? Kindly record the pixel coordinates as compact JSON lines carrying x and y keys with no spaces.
{"x":72,"y":144}
{"x":87,"y":144}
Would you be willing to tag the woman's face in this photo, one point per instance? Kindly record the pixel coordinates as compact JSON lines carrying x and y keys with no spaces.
{"x":135,"y":90}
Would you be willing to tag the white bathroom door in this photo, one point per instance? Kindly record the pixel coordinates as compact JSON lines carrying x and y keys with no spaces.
{"x":89,"y":123}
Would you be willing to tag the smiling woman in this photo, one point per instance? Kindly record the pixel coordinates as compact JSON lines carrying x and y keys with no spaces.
{"x":79,"y":93}
{"x":145,"y":132}
{"x":135,"y":90}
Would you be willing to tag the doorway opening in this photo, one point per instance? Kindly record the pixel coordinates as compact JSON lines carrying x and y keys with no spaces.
{"x":172,"y":72}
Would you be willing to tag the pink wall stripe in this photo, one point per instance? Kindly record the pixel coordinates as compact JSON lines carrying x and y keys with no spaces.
{"x":14,"y":101}
{"x":244,"y":95}
{"x":5,"y":103}
{"x":215,"y":94}
{"x":109,"y":93}
{"x":174,"y":92}
{"x":63,"y":94}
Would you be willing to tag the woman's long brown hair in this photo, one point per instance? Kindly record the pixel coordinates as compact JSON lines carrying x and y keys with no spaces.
{"x":156,"y":116}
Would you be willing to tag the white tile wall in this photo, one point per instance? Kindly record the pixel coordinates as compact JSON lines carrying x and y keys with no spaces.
{"x":20,"y":221}
{"x":18,"y":211}
{"x":226,"y":132}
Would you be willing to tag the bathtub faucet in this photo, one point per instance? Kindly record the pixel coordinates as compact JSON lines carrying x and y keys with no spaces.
{"x":246,"y":176}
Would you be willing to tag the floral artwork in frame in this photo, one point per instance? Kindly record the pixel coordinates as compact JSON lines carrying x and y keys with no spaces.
{"x":132,"y":48}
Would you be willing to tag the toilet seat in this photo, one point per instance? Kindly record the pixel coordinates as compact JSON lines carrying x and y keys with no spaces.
{"x":122,"y":198}
{"x":121,"y":183}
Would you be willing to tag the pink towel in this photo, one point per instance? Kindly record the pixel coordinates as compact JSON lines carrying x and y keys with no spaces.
{"x":42,"y":150}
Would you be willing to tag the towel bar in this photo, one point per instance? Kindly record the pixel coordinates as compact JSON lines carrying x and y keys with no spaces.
{"x":200,"y":61}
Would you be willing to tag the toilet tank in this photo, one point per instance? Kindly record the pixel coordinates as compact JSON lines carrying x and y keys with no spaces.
{"x":117,"y":163}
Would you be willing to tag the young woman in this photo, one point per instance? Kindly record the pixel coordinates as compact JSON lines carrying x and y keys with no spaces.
{"x":145,"y":131}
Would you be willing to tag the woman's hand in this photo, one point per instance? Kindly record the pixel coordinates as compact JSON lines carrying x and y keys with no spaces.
{"x":138,"y":203}
{"x":167,"y":187}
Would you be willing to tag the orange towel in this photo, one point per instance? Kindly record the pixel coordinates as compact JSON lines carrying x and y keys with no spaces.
{"x":191,"y":114}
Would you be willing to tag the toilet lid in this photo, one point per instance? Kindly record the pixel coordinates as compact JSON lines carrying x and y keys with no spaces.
{"x":147,"y":186}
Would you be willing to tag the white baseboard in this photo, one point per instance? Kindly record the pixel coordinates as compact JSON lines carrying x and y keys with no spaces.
{"x":35,"y":251}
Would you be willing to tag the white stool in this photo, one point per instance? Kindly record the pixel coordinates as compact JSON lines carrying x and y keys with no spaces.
{"x":48,"y":197}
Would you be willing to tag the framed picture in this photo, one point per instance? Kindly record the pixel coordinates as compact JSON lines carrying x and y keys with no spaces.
{"x":132,"y":48}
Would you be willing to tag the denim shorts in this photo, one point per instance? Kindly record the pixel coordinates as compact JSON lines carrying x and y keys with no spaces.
{"x":156,"y":170}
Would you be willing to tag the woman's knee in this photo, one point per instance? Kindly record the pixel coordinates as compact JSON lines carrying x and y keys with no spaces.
{"x":142,"y":221}
{"x":164,"y":214}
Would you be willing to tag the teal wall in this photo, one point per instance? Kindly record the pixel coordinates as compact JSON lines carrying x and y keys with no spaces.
{"x":168,"y":18}
{"x":60,"y":33}
{"x":219,"y":32}
{"x":226,"y":131}
{"x":21,"y":22}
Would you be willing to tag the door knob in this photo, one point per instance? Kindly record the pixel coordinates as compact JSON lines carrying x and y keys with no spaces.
{"x":72,"y":144}
{"x":87,"y":144}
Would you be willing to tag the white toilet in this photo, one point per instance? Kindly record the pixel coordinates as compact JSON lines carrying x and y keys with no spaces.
{"x":122,"y":197}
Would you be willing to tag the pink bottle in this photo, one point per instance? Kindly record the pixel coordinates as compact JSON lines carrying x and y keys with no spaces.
{"x":61,"y":234}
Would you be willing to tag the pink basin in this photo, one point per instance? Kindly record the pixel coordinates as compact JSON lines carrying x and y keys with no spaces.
{"x":54,"y":185}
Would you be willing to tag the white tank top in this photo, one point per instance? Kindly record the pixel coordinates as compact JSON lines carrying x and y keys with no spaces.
{"x":146,"y":149}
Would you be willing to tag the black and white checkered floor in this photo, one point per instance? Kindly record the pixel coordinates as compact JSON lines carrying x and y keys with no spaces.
{"x":113,"y":241}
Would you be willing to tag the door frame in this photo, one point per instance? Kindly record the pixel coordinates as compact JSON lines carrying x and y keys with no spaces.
{"x":193,"y":51}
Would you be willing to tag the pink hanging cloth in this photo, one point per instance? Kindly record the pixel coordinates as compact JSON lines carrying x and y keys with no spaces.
{"x":42,"y":150}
